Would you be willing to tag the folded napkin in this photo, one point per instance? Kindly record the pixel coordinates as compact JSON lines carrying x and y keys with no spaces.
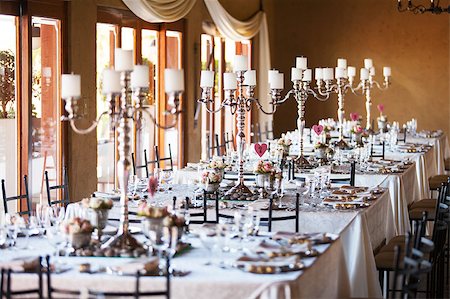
{"x":273,"y":249}
{"x":148,"y":265}
{"x":280,"y":261}
{"x":315,"y":238}
{"x":23,"y":264}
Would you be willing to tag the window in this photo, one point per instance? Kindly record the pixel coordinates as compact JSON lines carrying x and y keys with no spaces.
{"x":30,"y":69}
{"x":8,"y":105}
{"x":45,"y":105}
{"x":217,"y":55}
{"x":159,"y":48}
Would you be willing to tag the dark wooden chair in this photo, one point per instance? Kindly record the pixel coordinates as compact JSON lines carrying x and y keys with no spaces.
{"x":164,"y":159}
{"x":216,"y":147}
{"x":270,"y":219}
{"x":144,"y":166}
{"x":25,"y":196}
{"x":137,"y":292}
{"x":64,"y":187}
{"x":348,"y":180}
{"x":6,"y":283}
{"x":373,"y":154}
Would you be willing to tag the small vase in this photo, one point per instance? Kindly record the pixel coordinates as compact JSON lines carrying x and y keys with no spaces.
{"x":358,"y":139}
{"x":100,"y":218}
{"x":211,"y":187}
{"x":261,"y":178}
{"x":80,"y":240}
{"x":381,"y":125}
{"x":320,"y":153}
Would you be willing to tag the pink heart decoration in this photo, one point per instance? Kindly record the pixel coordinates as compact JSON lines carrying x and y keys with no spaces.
{"x":380,"y":108}
{"x":354,"y":116}
{"x":318,"y":129}
{"x":260,"y":148}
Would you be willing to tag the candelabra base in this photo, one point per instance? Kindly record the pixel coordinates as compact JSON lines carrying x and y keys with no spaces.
{"x":342,"y":144}
{"x":239,"y":192}
{"x":123,"y":242}
{"x":302,"y":162}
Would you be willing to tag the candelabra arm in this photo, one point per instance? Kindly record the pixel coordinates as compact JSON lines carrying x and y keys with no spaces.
{"x":152,"y":118}
{"x":205,"y":102}
{"x":379,"y":86}
{"x":88,"y":130}
{"x":287,"y":96}
{"x":258,"y":103}
{"x":318,"y":96}
{"x":355,"y":90}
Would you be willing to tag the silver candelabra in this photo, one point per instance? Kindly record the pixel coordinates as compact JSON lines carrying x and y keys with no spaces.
{"x":240,"y":104}
{"x":128,"y":110}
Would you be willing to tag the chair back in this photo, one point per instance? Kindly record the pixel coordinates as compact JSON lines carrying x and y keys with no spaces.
{"x":348,"y":180}
{"x":145,"y":165}
{"x":6,"y":283}
{"x":25,"y":196}
{"x":164,"y":159}
{"x":64,"y":187}
{"x":229,"y":142}
{"x":380,"y":155}
{"x":272,"y":218}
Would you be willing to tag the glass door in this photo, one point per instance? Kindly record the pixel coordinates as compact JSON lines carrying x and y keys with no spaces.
{"x":8,"y":106}
{"x":46,"y":106}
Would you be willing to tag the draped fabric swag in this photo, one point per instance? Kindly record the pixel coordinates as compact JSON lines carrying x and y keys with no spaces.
{"x":155,"y":11}
{"x":229,"y":27}
{"x":238,"y":30}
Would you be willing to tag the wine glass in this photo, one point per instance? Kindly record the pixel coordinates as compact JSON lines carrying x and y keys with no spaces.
{"x":208,"y":238}
{"x":42,"y":216}
{"x":55,"y":238}
{"x":24,"y":227}
{"x":3,"y":236}
{"x":12,"y":227}
{"x":56,"y":214}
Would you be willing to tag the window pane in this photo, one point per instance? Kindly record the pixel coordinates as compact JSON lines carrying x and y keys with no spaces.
{"x":173,"y":60}
{"x":106,"y":42}
{"x":46,"y":126}
{"x":146,"y":135}
{"x":8,"y":124}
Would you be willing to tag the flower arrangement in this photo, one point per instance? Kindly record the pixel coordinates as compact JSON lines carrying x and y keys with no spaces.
{"x":217,"y":164}
{"x":96,"y":203}
{"x":152,"y":186}
{"x":174,"y":220}
{"x":357,"y":129}
{"x":320,"y":145}
{"x":211,"y":177}
{"x":382,"y":117}
{"x":149,"y":211}
{"x":283,"y":141}
{"x":77,"y":226}
{"x":263,"y":167}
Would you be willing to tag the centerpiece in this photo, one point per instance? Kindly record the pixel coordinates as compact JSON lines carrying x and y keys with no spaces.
{"x":358,"y":133}
{"x":100,"y":208}
{"x":211,"y":180}
{"x":320,"y":151}
{"x":263,"y":170}
{"x":382,"y":119}
{"x":217,"y":165}
{"x":79,"y":231}
{"x":283,"y":145}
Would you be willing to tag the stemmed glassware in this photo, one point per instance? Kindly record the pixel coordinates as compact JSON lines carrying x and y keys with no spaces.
{"x":55,"y":238}
{"x":208,"y":238}
{"x":25,"y":228}
{"x":12,"y":228}
{"x":165,"y":179}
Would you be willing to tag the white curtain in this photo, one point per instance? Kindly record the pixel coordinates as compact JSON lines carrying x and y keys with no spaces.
{"x":155,"y":11}
{"x":238,"y":30}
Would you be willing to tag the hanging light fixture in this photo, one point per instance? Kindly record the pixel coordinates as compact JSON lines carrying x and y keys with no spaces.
{"x":434,"y":7}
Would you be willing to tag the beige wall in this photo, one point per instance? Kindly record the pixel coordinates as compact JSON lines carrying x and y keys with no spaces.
{"x":415,"y":46}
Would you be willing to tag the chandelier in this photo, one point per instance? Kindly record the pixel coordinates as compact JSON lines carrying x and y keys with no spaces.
{"x":434,"y":7}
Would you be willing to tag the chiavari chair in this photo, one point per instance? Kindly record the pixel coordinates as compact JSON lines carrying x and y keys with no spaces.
{"x":25,"y":196}
{"x":144,"y":166}
{"x":160,"y":159}
{"x":64,"y":187}
{"x":7,"y":276}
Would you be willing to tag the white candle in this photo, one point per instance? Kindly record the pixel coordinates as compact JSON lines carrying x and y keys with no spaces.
{"x":296,"y":74}
{"x":372,"y":71}
{"x":111,"y":81}
{"x":327,"y":73}
{"x":364,"y":74}
{"x":340,"y":73}
{"x":140,"y":76}
{"x":173,"y":80}
{"x":70,"y":86}
{"x":386,"y":71}
{"x":307,"y":75}
{"x":342,"y":63}
{"x":240,"y":63}
{"x":278,"y":81}
{"x":301,"y":63}
{"x":319,"y":73}
{"x":250,"y":78}
{"x":123,"y":60}
{"x":229,"y":81}
{"x":351,"y":71}
{"x":368,"y":63}
{"x":206,"y":79}
{"x":2,"y":71}
{"x":271,"y":75}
